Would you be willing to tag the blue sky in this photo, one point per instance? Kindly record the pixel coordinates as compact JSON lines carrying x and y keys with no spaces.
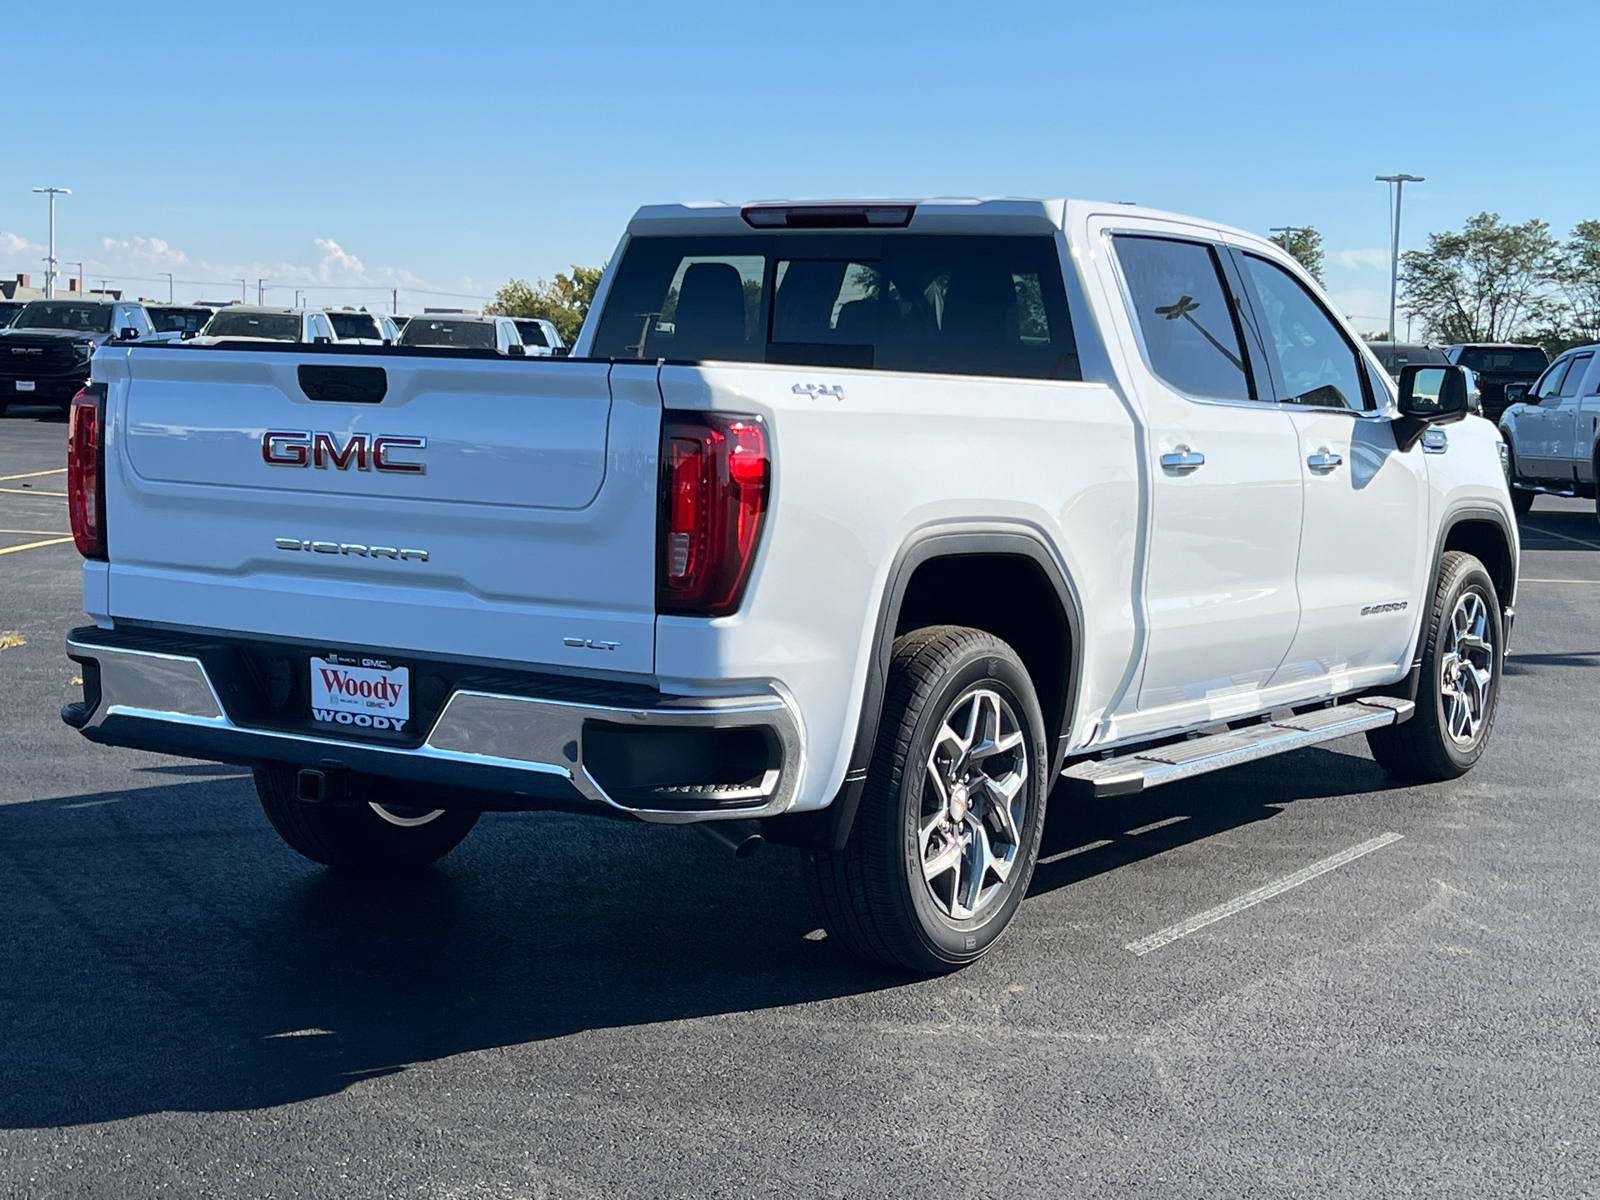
{"x":448,"y":147}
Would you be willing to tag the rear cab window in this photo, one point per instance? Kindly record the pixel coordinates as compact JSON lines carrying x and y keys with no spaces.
{"x":948,"y":304}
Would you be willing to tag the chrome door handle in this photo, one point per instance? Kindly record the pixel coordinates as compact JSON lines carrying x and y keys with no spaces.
{"x":1324,"y":461}
{"x":1183,"y":461}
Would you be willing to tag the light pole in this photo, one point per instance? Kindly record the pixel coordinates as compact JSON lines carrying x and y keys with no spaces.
{"x":80,"y":276}
{"x":168,"y":274}
{"x":297,"y":294}
{"x":261,"y":292}
{"x":243,"y":296}
{"x":1399,"y":182}
{"x":50,"y":275}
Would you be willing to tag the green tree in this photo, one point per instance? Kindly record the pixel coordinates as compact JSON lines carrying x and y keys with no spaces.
{"x":1577,"y":280}
{"x":563,"y":303}
{"x":1304,"y":245}
{"x":1488,"y":283}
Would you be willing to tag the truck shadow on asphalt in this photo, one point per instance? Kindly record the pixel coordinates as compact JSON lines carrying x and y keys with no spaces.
{"x":163,"y":951}
{"x":1088,"y":838}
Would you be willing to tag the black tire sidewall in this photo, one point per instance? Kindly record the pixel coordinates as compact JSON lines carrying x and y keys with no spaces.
{"x":993,"y":666}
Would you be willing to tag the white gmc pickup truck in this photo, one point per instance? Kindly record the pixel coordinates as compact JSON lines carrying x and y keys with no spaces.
{"x":857,"y":527}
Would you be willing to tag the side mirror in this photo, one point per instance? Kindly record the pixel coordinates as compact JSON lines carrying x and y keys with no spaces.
{"x":1517,"y":393}
{"x":517,"y":351}
{"x":1430,"y":395}
{"x":127,"y":334}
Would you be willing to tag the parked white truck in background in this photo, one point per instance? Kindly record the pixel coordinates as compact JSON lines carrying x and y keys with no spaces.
{"x":852,"y":526}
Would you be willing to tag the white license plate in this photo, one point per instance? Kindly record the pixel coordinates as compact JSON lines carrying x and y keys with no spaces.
{"x":24,"y":385}
{"x":368,"y":693}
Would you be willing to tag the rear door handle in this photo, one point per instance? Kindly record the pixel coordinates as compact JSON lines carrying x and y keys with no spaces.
{"x":1324,"y":461}
{"x":1183,"y":461}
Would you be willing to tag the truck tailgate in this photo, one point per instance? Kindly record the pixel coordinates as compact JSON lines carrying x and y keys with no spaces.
{"x":493,"y":509}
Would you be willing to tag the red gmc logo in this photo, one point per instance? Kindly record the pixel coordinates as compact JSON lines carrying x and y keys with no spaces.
{"x":300,"y":448}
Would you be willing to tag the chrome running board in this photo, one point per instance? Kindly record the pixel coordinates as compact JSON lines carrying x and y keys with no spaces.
{"x":1130,"y":773}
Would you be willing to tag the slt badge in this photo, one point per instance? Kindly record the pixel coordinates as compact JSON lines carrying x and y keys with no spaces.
{"x":818,"y":391}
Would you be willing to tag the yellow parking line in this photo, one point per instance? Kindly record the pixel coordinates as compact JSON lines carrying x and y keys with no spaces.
{"x":31,"y":492}
{"x":35,"y":474}
{"x":38,"y":532}
{"x":36,"y":545}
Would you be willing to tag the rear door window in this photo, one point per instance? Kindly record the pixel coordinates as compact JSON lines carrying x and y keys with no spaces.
{"x":962,"y":305}
{"x":1191,"y":333}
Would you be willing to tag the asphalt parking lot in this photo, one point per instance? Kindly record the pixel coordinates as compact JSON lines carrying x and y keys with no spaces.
{"x":566,"y":1008}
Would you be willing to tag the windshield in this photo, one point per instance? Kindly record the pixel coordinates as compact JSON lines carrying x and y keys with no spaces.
{"x":1521,"y":361}
{"x":80,"y":318}
{"x":355,"y":325}
{"x":532,"y":333}
{"x":279,"y":327}
{"x":960,"y":305}
{"x":179,"y":320}
{"x":427,"y":331}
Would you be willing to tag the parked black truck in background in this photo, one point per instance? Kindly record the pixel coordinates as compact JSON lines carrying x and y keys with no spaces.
{"x":45,"y":351}
{"x":1498,"y":367}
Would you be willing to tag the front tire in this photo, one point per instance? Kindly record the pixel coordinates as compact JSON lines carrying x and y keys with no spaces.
{"x":382,"y":830}
{"x":1460,"y":686}
{"x":945,"y":841}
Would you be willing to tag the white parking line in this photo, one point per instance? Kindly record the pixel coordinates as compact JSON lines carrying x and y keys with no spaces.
{"x":1526,"y":580}
{"x":1239,"y":903}
{"x":1155,"y":825}
{"x":1044,"y":862}
{"x":1564,"y":537}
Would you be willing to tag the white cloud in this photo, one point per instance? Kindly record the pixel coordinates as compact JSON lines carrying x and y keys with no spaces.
{"x":153,"y":252}
{"x":1363,"y":260}
{"x":329,"y":274}
{"x":338,"y":265}
{"x":11,"y":243}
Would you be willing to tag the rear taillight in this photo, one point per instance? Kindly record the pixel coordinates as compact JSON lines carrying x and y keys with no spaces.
{"x":714,"y":478}
{"x":86,"y":470}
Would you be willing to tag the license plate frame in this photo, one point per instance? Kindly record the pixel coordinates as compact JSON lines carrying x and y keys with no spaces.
{"x":359,"y":693}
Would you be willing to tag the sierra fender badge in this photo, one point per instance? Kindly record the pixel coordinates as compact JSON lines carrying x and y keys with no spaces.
{"x":1393,"y":606}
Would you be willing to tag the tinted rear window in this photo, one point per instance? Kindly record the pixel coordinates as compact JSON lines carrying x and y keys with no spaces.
{"x":421,"y":331}
{"x":179,"y":320}
{"x":959,"y":305}
{"x":1527,"y":362}
{"x":278,"y":327}
{"x":532,"y":333}
{"x":355,"y":325}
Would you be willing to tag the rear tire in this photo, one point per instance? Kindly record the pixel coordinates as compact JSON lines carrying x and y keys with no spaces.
{"x":1460,"y":686}
{"x":948,"y":831}
{"x":380,"y":832}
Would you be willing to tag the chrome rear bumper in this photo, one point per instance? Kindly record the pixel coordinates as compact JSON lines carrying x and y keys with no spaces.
{"x":482,"y":740}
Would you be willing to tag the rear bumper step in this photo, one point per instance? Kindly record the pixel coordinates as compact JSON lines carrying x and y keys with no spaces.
{"x":520,"y":745}
{"x":1131,"y":773}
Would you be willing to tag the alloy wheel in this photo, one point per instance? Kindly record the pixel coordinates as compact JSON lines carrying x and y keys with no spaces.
{"x":974,"y":804}
{"x":1466,"y":669}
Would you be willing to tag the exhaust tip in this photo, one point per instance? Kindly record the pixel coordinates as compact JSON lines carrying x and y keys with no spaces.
{"x":739,"y":838}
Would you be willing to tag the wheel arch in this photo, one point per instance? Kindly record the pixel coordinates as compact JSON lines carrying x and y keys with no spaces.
{"x":1036,"y":611}
{"x":1485,"y":534}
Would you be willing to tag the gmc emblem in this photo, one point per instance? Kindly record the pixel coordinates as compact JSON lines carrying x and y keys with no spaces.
{"x":299,"y":448}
